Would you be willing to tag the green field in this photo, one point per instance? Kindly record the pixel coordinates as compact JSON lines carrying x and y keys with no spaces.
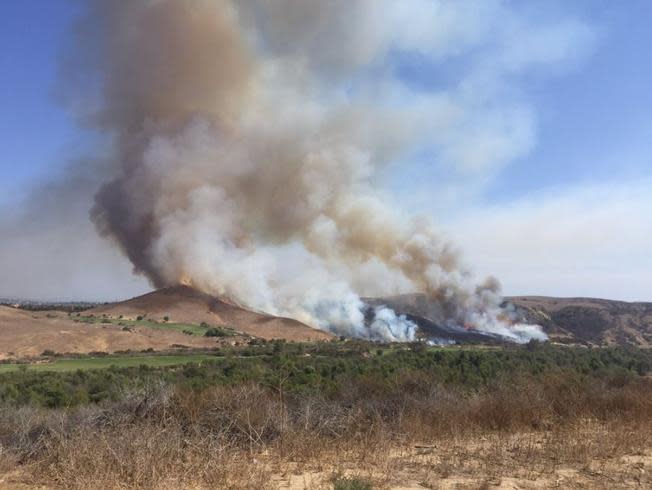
{"x":187,"y":328}
{"x":62,"y":365}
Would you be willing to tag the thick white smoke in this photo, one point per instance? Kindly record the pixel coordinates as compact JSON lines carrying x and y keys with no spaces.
{"x":248,"y":137}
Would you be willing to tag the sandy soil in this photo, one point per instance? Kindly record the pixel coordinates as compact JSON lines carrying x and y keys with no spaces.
{"x":586,"y":455}
{"x":416,"y":469}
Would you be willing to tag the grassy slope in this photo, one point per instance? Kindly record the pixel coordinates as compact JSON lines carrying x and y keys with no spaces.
{"x":179,"y":327}
{"x":104,"y":362}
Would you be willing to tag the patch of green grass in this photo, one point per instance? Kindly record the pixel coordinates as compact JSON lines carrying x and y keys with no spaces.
{"x":351,"y":483}
{"x":62,"y":365}
{"x":187,"y":328}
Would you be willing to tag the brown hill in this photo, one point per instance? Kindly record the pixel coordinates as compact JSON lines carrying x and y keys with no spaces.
{"x":588,"y":320}
{"x":29,"y":333}
{"x":183,"y":304}
{"x":567,"y":320}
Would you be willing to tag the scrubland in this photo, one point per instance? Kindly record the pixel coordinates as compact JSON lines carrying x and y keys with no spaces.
{"x":338,"y":415}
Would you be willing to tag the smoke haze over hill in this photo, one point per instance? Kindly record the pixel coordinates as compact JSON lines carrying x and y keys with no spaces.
{"x":246,"y":141}
{"x":245,"y":144}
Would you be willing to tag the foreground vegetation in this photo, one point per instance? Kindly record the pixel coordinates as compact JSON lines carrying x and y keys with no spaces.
{"x":324,"y":368}
{"x":352,"y":415}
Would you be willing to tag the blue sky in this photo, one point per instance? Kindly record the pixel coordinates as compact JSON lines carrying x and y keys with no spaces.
{"x":36,"y":132}
{"x":594,"y":122}
{"x":593,"y":118}
{"x":592,"y":115}
{"x":592,"y":142}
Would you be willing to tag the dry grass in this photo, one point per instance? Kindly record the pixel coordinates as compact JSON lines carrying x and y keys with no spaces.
{"x":547,"y":430}
{"x":26,"y":334}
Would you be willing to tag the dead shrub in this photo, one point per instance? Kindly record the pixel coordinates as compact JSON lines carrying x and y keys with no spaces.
{"x":161,"y":437}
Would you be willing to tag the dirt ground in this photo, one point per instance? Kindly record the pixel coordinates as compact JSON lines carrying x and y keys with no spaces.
{"x":521,"y":461}
{"x":586,"y":456}
{"x":28,"y":333}
{"x":414,"y":472}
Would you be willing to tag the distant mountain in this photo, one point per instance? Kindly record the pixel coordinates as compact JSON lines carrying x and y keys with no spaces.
{"x":566,"y":320}
{"x":587,"y":320}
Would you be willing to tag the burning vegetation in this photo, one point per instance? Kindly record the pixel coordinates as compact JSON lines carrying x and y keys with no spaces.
{"x":245,"y":146}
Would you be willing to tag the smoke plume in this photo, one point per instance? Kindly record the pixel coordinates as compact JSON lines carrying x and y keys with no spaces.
{"x":247,"y":138}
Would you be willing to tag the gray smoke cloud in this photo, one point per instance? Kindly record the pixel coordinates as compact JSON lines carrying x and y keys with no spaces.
{"x":247,"y":138}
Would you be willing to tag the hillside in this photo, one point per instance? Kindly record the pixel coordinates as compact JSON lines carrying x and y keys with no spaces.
{"x":29,"y":333}
{"x":566,"y":320}
{"x":187,"y":305}
{"x":589,"y":320}
{"x":429,"y":317}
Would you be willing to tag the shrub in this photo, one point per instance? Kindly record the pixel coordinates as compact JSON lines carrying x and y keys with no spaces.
{"x":343,"y":483}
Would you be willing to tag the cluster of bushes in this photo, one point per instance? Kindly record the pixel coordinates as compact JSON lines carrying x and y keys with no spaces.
{"x":328,"y":368}
{"x":165,"y":436}
{"x":201,"y":426}
{"x":217,"y":332}
{"x":212,"y":331}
